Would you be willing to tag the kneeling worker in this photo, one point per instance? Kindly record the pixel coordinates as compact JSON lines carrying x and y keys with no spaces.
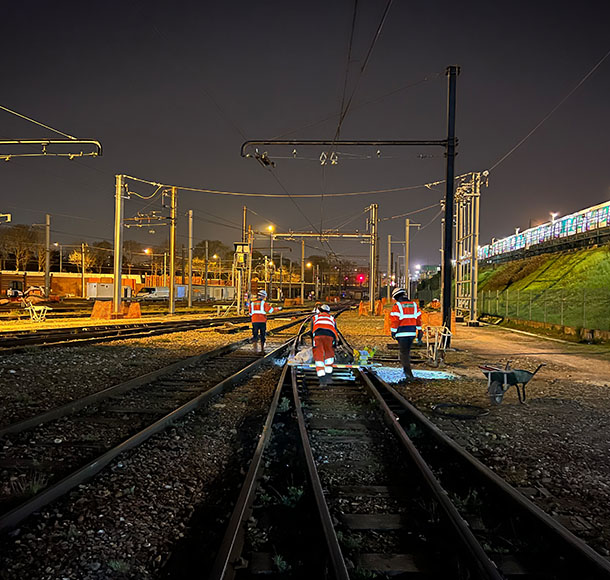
{"x":258,"y":313}
{"x":324,"y":340}
{"x":405,"y":323}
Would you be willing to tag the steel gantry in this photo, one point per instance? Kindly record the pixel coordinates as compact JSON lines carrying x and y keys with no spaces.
{"x":467,"y":197}
{"x":371,"y":237}
{"x":142,"y":220}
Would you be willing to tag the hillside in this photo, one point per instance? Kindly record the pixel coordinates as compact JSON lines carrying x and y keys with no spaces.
{"x":569,"y":289}
{"x":576,"y":269}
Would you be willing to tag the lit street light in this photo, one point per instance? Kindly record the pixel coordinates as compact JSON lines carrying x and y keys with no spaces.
{"x":61,"y":257}
{"x":271,"y":229}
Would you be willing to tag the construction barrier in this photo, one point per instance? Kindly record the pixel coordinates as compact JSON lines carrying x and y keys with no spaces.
{"x":386,"y":324}
{"x":102,"y":309}
{"x":363,"y":309}
{"x":436,"y":319}
{"x":378,"y":307}
{"x":133,"y":311}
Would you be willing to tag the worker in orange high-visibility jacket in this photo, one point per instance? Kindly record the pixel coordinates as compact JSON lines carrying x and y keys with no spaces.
{"x":405,"y":325}
{"x":258,"y":314}
{"x":324,"y":341}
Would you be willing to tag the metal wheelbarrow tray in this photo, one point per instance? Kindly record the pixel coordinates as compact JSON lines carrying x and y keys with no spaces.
{"x":499,"y":380}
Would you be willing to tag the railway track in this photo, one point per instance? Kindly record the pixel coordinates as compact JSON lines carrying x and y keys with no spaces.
{"x":20,"y":341}
{"x":66,"y":446}
{"x":393,"y":496}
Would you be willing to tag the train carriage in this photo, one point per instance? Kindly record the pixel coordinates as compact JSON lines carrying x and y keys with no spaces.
{"x":591,"y":219}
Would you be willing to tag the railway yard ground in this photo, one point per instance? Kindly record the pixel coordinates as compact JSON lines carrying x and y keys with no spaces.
{"x":136,"y":518}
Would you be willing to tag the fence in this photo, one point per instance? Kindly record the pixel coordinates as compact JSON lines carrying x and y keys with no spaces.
{"x":579,"y":308}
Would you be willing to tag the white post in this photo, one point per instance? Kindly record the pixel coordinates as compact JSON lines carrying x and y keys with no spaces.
{"x":118,"y":245}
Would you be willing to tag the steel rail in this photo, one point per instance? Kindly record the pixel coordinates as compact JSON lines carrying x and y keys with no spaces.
{"x":598,"y":562}
{"x":12,"y":518}
{"x":232,"y":543}
{"x":118,"y":332}
{"x":486,"y":567}
{"x":78,"y":404}
{"x":334,"y":549}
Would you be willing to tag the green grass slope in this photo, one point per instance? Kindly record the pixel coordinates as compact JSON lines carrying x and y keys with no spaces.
{"x":578,"y":269}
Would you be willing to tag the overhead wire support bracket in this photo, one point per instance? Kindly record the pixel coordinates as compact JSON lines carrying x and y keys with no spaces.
{"x":45,"y":143}
{"x":337,"y":143}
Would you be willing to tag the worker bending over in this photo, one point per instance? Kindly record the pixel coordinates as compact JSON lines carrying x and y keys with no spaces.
{"x":324,"y":341}
{"x":258,"y":313}
{"x":405,"y":325}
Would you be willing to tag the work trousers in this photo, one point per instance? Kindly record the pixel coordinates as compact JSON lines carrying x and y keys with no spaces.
{"x":405,"y":342}
{"x":323,"y":354}
{"x":259,"y":329}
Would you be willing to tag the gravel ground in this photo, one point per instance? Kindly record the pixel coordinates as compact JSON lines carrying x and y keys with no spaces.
{"x":38,"y":380}
{"x":556,"y":447}
{"x":129,"y":520}
{"x":126,"y":522}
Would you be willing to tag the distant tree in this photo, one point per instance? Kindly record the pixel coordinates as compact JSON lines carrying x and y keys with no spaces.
{"x":21,"y":243}
{"x":101,"y":255}
{"x":4,"y":251}
{"x":76,"y":258}
{"x":214,"y":247}
{"x":131,"y":250}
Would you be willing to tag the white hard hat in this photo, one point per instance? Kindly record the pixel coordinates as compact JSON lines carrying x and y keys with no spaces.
{"x":398,"y":291}
{"x":324,"y":308}
{"x":262,"y":294}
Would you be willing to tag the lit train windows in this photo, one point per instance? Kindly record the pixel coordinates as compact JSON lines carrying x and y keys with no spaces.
{"x":602,"y":221}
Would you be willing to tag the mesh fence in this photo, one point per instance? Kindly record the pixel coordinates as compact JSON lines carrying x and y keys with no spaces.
{"x":579,"y":308}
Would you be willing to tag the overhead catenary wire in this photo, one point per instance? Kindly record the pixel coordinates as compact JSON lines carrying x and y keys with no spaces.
{"x":279,"y":195}
{"x":21,"y":116}
{"x":400,"y":215}
{"x":544,"y":119}
{"x":429,"y":77}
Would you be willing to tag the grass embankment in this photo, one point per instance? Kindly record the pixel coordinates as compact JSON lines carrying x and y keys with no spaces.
{"x":567,"y":289}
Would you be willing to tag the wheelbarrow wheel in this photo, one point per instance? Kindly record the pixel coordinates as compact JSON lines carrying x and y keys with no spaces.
{"x":496,"y":392}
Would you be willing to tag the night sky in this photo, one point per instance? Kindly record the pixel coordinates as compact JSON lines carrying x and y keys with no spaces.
{"x":173,"y":89}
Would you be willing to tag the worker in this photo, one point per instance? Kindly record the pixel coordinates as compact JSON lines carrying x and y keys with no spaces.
{"x":258,"y":313}
{"x":405,"y":326}
{"x":324,"y":341}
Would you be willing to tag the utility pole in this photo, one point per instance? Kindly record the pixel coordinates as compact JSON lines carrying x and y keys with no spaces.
{"x":452,"y":73}
{"x":388,"y":275}
{"x":408,"y":226}
{"x":302,"y":271}
{"x":118,"y":243}
{"x":207,"y":256}
{"x":373,"y":256}
{"x":279,"y":294}
{"x":190,"y":299}
{"x":250,"y":248}
{"x":317,"y":281}
{"x":407,"y":277}
{"x":82,"y":269}
{"x":172,"y":251}
{"x":47,"y":257}
{"x":183,"y":260}
{"x":243,"y":225}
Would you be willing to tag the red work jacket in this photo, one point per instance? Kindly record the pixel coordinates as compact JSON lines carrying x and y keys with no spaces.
{"x":259,"y":310}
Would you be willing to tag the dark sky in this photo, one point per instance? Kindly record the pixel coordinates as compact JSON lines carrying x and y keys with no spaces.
{"x":147,"y":79}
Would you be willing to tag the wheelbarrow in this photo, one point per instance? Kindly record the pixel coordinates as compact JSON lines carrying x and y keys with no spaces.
{"x":499,"y":380}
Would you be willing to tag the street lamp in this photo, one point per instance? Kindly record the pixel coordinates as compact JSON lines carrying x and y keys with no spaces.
{"x":58,"y":245}
{"x":218,"y":261}
{"x":148,"y":251}
{"x":271,"y":229}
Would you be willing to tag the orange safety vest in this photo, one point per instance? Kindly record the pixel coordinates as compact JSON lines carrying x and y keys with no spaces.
{"x":405,"y":319}
{"x":259,"y":310}
{"x":324,"y":322}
